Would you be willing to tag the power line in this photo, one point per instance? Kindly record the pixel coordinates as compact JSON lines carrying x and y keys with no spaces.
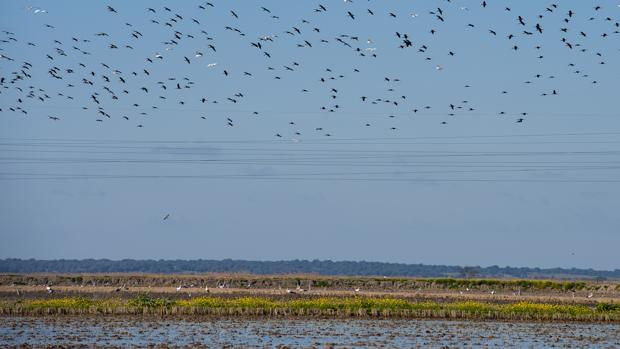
{"x":74,"y":145}
{"x":352,"y":179}
{"x":323,"y":152}
{"x":599,"y":133}
{"x":312,"y":161}
{"x":262,"y":112}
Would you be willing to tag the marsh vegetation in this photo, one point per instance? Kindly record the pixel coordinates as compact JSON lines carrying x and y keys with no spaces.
{"x":313,"y":307}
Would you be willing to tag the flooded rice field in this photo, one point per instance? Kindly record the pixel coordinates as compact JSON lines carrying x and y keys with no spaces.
{"x":239,"y":333}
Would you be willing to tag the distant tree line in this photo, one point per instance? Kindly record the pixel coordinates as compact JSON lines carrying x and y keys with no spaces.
{"x":290,"y":267}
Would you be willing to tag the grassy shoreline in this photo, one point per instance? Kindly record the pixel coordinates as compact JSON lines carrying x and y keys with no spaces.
{"x":353,"y":307}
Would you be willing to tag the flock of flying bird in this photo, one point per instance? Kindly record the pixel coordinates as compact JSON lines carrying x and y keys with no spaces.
{"x":84,"y":80}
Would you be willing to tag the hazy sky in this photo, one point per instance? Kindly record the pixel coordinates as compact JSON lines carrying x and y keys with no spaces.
{"x":277,"y":164}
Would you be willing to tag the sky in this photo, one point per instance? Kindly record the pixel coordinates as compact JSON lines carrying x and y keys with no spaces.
{"x":467,"y":148}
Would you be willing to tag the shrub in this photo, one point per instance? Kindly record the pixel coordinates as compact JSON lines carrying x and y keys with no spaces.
{"x":144,"y":300}
{"x":607,"y":307}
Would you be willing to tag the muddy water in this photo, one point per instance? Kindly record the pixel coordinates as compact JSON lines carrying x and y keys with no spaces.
{"x":138,"y":332}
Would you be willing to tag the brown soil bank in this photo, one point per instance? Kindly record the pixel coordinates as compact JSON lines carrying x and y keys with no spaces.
{"x":312,"y":282}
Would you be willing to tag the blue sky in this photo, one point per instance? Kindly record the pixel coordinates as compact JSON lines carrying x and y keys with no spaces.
{"x":417,"y":185}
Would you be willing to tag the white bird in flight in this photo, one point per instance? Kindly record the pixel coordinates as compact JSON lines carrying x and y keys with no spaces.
{"x":36,"y":9}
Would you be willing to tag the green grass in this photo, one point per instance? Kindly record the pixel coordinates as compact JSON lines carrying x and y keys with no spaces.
{"x":321,"y":306}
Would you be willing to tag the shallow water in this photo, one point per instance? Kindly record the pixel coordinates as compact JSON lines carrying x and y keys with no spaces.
{"x":138,"y":332}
